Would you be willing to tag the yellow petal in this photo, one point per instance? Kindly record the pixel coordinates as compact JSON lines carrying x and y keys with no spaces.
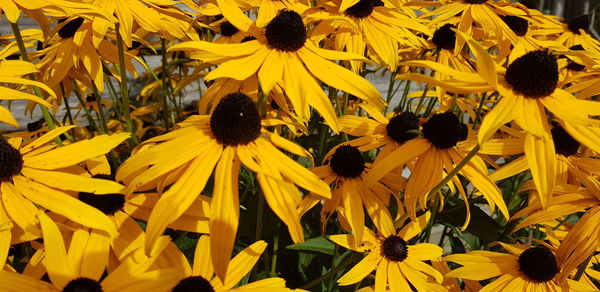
{"x":73,"y":182}
{"x":225,"y":211}
{"x":507,"y":108}
{"x":243,"y":262}
{"x":202,"y":261}
{"x":60,"y":270}
{"x":360,"y":270}
{"x":181,"y":195}
{"x":541,"y":158}
{"x":75,"y":153}
{"x":64,"y":205}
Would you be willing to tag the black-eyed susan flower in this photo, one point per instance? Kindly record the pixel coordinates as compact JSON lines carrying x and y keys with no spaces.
{"x":372,"y":134}
{"x":38,"y":175}
{"x":346,"y":173}
{"x":396,"y":263}
{"x":77,"y":269}
{"x":485,"y":13}
{"x":201,"y":276}
{"x":437,"y":154}
{"x":527,"y":87}
{"x":283,"y":56}
{"x":231,"y":136}
{"x":369,"y":26}
{"x":11,"y":71}
{"x":524,"y":268}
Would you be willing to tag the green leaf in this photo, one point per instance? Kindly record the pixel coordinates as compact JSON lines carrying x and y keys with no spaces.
{"x":317,"y":244}
{"x":481,"y":225}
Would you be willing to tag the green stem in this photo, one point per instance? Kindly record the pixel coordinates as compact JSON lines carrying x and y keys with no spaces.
{"x":582,"y":268}
{"x":47,"y":116}
{"x":165,"y":82}
{"x":273,"y":271}
{"x":349,"y":260}
{"x":100,"y":110}
{"x":479,"y":110}
{"x":456,"y":169}
{"x":124,"y":90}
{"x":88,"y":114}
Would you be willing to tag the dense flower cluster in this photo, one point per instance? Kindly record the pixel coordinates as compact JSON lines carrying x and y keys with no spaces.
{"x":475,"y":168}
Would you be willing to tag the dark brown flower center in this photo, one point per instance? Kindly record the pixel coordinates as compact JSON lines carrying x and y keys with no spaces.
{"x":193,"y":284}
{"x":579,"y":22}
{"x":347,"y":161}
{"x":517,"y":24}
{"x":394,"y":248}
{"x":11,"y":161}
{"x":563,"y":142}
{"x":83,"y":285}
{"x":475,"y":1}
{"x":534,"y":74}
{"x":444,"y":130}
{"x":444,"y":37}
{"x":235,"y":120}
{"x":227,"y":29}
{"x":538,"y":264}
{"x":399,"y":125}
{"x":69,"y":29}
{"x":361,"y":9}
{"x":107,"y":203}
{"x":286,"y":32}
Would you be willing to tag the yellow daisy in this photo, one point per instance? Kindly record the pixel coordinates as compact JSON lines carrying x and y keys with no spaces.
{"x":396,"y":263}
{"x":76,"y":269}
{"x":11,"y":71}
{"x":283,"y":56}
{"x":368,"y":25}
{"x":200,"y":276}
{"x":438,"y":154}
{"x":38,"y":175}
{"x":524,"y":268}
{"x":346,"y":174}
{"x":527,"y":86}
{"x":232,"y":135}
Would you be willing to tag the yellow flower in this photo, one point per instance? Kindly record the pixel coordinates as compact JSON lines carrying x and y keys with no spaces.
{"x":186,"y":157}
{"x":77,"y":269}
{"x":438,"y":154}
{"x":283,"y":56}
{"x":368,"y":25}
{"x":37,"y":175}
{"x":346,"y":172}
{"x":527,"y":86}
{"x":200,"y":276}
{"x":397,"y":264}
{"x":11,"y":71}
{"x":524,"y":268}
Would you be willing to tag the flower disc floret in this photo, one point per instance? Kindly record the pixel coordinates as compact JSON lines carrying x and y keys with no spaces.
{"x":108,"y":203}
{"x":347,"y":161}
{"x":193,"y":284}
{"x":394,"y":248}
{"x":83,"y":285}
{"x":227,"y":29}
{"x":475,"y":1}
{"x":69,"y":29}
{"x":444,"y":37}
{"x":444,"y":130}
{"x":579,"y":22}
{"x":538,"y":264}
{"x":361,"y":9}
{"x":286,"y":32}
{"x":399,"y":125}
{"x":11,"y":161}
{"x":235,"y":120}
{"x":534,"y":75}
{"x":517,"y":24}
{"x":563,"y":142}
